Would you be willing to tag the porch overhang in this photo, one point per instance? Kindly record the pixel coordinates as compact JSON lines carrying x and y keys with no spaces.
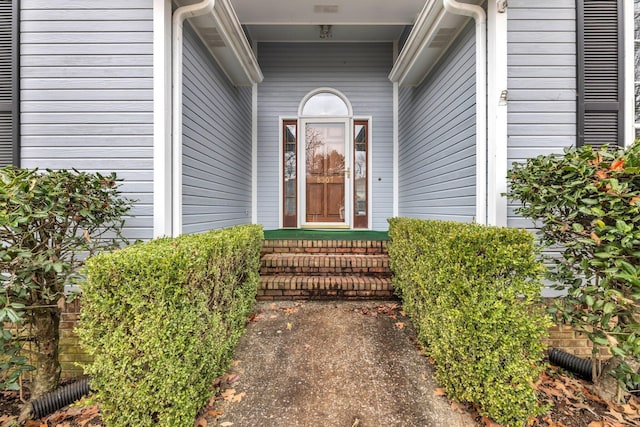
{"x":223,"y":36}
{"x":434,"y":31}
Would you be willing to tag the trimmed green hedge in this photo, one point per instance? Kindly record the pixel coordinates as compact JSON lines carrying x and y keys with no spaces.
{"x":473,"y":294}
{"x":161,"y":320}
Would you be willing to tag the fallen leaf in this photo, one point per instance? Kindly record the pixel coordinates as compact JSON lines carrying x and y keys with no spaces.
{"x":201,"y":422}
{"x":489,"y":422}
{"x":595,"y":238}
{"x":228,"y":394}
{"x":236,"y":362}
{"x":399,"y":325}
{"x":629,"y":410}
{"x":601,"y":174}
{"x":215,"y":413}
{"x":457,"y":406}
{"x":289,"y":326}
{"x":617,"y":165}
{"x":290,"y":310}
{"x":238,"y":397}
{"x":634,"y":199}
{"x":617,"y":415}
{"x":439,"y":392}
{"x":226,"y":424}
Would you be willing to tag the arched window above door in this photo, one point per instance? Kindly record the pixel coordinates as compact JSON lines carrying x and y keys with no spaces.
{"x":325,"y":102}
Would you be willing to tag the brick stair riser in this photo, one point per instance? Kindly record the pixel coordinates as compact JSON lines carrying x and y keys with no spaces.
{"x":324,"y":247}
{"x":264,"y":295}
{"x":282,"y":282}
{"x":334,"y":271}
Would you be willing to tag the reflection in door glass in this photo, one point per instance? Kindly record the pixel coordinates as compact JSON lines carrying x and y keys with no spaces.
{"x":360,"y":170}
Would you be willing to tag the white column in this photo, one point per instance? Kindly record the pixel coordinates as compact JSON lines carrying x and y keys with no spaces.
{"x":254,"y":153}
{"x":396,"y":155}
{"x":497,"y":97}
{"x":162,"y":118}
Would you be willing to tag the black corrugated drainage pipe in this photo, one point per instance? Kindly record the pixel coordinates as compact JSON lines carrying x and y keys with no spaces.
{"x":575,"y":364}
{"x":60,"y":398}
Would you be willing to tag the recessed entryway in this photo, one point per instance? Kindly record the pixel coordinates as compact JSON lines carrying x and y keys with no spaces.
{"x":325,"y":165}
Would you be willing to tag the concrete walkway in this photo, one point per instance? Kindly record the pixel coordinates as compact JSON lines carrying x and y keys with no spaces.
{"x":342,"y":364}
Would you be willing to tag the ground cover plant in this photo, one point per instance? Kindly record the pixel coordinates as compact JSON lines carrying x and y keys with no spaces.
{"x":49,"y":222}
{"x":586,"y":205}
{"x":473,"y":295}
{"x":161,"y":320}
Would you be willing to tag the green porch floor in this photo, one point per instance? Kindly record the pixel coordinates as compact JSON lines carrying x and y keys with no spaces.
{"x":299,"y":234}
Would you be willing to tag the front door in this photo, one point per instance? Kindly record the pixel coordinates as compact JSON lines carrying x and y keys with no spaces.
{"x":326,"y":171}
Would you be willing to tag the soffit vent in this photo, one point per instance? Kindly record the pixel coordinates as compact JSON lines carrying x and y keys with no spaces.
{"x":325,"y":8}
{"x":212,"y":37}
{"x":442,"y":37}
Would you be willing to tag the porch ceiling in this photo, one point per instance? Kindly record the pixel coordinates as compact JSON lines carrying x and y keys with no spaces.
{"x":351,"y":20}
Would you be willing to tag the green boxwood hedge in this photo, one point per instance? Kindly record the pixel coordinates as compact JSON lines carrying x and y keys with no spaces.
{"x":473,"y":294}
{"x":161,"y":320}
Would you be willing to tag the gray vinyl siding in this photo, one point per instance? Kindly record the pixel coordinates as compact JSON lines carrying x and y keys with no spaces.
{"x":437,"y":156}
{"x":216,"y":144}
{"x":291,"y":70}
{"x":541,"y":81}
{"x":86,"y":93}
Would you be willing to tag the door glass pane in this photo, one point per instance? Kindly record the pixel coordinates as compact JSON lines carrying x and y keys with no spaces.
{"x":325,"y":170}
{"x":360,"y":170}
{"x":290,"y":182}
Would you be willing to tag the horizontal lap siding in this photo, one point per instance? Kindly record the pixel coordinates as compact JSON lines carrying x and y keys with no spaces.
{"x":291,"y":70}
{"x":541,"y":81}
{"x":437,"y":138}
{"x":216,"y":144}
{"x":86,"y":93}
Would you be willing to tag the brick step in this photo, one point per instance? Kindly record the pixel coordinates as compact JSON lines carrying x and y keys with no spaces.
{"x":326,"y":264}
{"x":324,"y":287}
{"x":325,"y":246}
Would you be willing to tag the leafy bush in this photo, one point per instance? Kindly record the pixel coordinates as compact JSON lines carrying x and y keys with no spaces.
{"x":587,"y":203}
{"x":49,"y":221}
{"x":473,"y":293}
{"x":161,"y":320}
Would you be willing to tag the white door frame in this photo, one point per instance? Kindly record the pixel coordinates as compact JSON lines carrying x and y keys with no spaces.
{"x":302,"y":182}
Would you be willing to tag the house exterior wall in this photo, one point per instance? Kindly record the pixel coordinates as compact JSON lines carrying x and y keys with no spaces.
{"x":541,"y":66}
{"x":291,"y":70}
{"x":86,"y":93}
{"x":437,"y":138}
{"x":216,"y":144}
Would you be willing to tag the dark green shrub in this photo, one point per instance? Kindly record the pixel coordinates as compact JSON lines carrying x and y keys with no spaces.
{"x":49,"y":221}
{"x":472,"y":293}
{"x":587,"y":204}
{"x":161,"y":320}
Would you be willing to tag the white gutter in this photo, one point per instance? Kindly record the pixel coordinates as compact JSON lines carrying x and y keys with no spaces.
{"x":480,"y":17}
{"x":179,"y":15}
